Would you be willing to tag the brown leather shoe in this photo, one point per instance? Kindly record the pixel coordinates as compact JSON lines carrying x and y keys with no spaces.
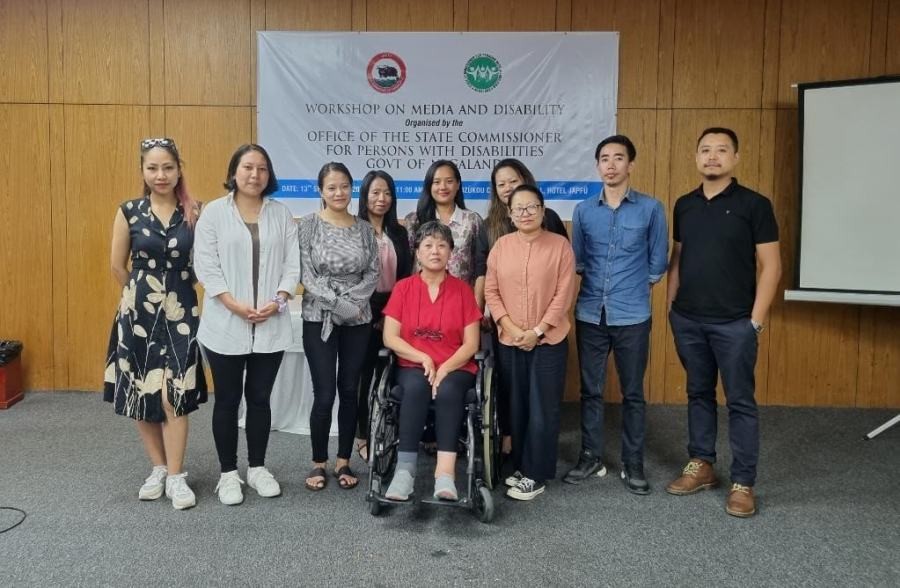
{"x":697,"y":475}
{"x":741,"y":502}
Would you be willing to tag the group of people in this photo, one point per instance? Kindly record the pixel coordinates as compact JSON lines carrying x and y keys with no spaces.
{"x":428,"y":289}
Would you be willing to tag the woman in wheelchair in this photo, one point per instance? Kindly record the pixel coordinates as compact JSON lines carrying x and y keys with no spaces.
{"x":432,"y":324}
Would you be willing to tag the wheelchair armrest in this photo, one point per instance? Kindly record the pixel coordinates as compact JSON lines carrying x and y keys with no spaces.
{"x":384,"y":352}
{"x":482,"y":354}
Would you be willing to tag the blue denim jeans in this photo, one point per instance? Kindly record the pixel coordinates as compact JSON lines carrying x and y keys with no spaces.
{"x":707,"y":350}
{"x":630,"y":345}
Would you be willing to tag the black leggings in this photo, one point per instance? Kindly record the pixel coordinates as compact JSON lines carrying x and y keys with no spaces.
{"x":448,"y":407}
{"x":334,"y":366}
{"x":228,"y":373}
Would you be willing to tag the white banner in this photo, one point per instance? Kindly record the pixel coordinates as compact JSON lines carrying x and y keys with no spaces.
{"x":399,"y":101}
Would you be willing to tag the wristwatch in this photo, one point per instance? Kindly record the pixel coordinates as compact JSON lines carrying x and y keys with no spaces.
{"x":758,"y":327}
{"x":540,"y":334}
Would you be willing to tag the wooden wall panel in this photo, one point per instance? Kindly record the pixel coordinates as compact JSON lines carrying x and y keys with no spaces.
{"x":409,"y":15}
{"x":206,"y":137}
{"x":638,"y":25}
{"x":23,"y":51}
{"x":59,"y":229}
{"x":879,"y":357}
{"x":308,"y":15}
{"x":878,"y":38}
{"x":26,"y":241}
{"x":511,"y":15}
{"x":106,"y":52}
{"x":892,"y":60}
{"x":719,"y":54}
{"x":822,"y":40}
{"x":102,"y":151}
{"x":771,"y":54}
{"x":208,"y":46}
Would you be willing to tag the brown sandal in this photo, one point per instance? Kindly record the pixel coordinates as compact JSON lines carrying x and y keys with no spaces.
{"x":344,"y":476}
{"x":317,"y":473}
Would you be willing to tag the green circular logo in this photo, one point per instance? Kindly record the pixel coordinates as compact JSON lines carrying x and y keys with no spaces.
{"x":483,"y":72}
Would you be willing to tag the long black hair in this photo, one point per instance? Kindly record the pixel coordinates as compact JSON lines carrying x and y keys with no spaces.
{"x":426,"y":208}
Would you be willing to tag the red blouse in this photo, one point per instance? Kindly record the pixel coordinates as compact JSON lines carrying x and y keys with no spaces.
{"x":436,"y":328}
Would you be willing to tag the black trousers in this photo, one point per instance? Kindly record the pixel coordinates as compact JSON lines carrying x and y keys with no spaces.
{"x":448,"y":407}
{"x":334,"y":366}
{"x":537,"y":379}
{"x":251,"y":376}
{"x":367,"y":373}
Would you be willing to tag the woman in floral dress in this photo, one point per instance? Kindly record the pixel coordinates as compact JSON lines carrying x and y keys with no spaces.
{"x":153,"y":371}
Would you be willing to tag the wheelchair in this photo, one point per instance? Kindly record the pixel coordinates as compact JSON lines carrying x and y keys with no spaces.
{"x":480,"y":439}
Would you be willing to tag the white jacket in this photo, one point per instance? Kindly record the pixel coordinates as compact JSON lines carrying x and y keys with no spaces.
{"x":223,"y":262}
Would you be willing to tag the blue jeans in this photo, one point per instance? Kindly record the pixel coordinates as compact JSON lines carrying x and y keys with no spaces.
{"x":536,"y":380}
{"x":630,"y":345}
{"x":706,"y":350}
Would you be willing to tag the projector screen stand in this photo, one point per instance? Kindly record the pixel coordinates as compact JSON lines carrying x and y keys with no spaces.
{"x":882,"y":428}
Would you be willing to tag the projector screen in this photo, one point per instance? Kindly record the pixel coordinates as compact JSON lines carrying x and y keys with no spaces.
{"x":850,"y":192}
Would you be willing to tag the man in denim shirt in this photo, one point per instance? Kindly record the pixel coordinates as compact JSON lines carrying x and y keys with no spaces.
{"x":620,"y":240}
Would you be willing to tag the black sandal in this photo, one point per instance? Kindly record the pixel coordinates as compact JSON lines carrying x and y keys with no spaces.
{"x":342,"y":476}
{"x":316,"y":473}
{"x":360,"y":447}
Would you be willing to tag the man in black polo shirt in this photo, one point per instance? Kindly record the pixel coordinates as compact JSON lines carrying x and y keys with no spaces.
{"x":717,"y":310}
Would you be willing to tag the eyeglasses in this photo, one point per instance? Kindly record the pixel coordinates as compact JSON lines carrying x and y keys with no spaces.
{"x":160,"y":142}
{"x":522,"y":210}
{"x":429,"y":334}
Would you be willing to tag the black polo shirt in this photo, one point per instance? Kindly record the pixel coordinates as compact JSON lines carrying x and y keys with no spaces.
{"x":717,"y":268}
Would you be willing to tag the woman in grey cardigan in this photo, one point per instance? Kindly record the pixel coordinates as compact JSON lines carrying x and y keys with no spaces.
{"x":339,"y":270}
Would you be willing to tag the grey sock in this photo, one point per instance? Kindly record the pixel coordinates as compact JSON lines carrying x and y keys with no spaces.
{"x":406,"y":460}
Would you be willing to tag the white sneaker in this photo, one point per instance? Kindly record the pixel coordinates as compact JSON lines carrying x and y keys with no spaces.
{"x":526,"y":489}
{"x":513,"y":479}
{"x":155,"y":484}
{"x":180,"y":493}
{"x":262,"y":480}
{"x":229,"y":488}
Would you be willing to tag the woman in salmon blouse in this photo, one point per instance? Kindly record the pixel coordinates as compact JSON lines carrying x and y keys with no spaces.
{"x":529,"y":287}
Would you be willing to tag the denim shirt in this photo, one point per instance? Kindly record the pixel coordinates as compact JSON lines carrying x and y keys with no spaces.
{"x":619,"y":253}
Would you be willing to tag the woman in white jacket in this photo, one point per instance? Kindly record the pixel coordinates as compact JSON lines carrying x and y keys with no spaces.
{"x":246,"y":255}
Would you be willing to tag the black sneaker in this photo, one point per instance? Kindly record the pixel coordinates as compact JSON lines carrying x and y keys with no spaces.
{"x":633,"y":477}
{"x":526,"y":489}
{"x":588,"y":465}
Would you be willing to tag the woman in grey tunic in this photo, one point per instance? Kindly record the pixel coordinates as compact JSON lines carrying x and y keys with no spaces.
{"x":339,"y":269}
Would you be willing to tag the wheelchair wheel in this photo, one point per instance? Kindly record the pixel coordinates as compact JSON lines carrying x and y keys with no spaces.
{"x":383,"y":444}
{"x":375,"y":507}
{"x":490,"y":428}
{"x":484,"y":504}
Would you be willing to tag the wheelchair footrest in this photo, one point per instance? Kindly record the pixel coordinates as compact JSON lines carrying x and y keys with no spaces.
{"x":462,"y":502}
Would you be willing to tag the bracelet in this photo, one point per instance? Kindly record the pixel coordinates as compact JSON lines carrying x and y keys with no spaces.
{"x":282,"y":303}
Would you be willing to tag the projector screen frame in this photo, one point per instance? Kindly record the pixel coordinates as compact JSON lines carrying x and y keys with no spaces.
{"x":832,"y":295}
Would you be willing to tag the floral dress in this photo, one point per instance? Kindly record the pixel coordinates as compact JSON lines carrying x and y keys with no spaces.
{"x":154,"y":334}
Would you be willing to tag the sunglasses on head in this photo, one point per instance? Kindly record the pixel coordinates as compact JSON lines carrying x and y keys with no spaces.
{"x":161,"y":142}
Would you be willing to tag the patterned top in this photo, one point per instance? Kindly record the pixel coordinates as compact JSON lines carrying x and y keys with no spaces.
{"x":339,"y":268}
{"x":465,"y":226}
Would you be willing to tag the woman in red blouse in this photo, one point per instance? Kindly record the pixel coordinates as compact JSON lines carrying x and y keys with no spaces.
{"x":432,"y":323}
{"x":529,"y":287}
